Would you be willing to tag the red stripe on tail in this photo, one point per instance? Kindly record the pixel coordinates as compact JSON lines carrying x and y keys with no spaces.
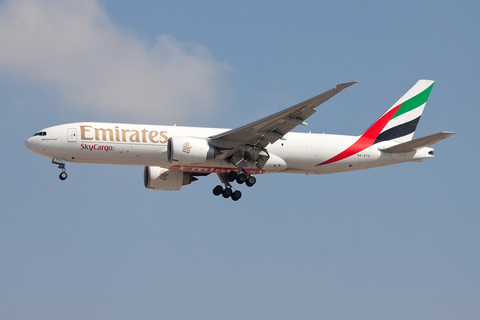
{"x":366,"y":140}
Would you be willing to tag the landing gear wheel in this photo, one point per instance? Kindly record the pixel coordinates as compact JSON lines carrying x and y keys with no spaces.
{"x":217,"y":190}
{"x":236,"y":195}
{"x":251,"y":181}
{"x":63,"y":175}
{"x":231,"y":176}
{"x":242,"y":177}
{"x":227,"y":192}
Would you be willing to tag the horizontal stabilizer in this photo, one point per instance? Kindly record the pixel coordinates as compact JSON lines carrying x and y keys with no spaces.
{"x":418,"y":143}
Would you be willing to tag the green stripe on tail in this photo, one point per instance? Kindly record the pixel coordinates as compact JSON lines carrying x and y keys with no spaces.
{"x":414,"y":102}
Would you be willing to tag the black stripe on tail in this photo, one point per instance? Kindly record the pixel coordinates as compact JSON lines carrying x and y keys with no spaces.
{"x":398,"y":131}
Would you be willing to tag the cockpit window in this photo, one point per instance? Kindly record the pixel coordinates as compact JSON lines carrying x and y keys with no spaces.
{"x":41,"y":133}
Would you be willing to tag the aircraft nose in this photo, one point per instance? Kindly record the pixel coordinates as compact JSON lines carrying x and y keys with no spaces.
{"x":29,"y":143}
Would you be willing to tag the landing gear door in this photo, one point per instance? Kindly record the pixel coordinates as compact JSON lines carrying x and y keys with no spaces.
{"x":72,"y":135}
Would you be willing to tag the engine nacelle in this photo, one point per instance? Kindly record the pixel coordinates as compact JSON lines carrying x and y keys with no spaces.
{"x":158,"y":178}
{"x":189,"y":150}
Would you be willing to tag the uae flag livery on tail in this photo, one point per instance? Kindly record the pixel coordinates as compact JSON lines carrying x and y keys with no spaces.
{"x":397,"y":123}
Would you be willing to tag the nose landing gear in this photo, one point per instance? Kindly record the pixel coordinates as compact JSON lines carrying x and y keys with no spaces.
{"x":61,"y":165}
{"x":63,"y":175}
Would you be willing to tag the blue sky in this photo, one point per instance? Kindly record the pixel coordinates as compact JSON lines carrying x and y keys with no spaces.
{"x":397,"y":242}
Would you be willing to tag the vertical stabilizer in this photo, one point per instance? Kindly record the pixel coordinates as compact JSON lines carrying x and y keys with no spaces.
{"x":397,"y":123}
{"x":402,"y":118}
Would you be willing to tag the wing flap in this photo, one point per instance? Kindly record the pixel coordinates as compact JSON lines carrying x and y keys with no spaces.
{"x":419,"y":143}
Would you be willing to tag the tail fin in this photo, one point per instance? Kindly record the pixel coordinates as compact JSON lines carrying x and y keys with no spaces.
{"x":400,"y":121}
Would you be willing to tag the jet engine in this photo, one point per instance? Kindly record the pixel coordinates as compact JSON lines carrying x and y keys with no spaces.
{"x":189,"y":150}
{"x":158,"y":178}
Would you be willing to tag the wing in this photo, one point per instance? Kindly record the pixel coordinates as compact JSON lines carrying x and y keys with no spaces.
{"x":249,"y":142}
{"x":274,"y":127}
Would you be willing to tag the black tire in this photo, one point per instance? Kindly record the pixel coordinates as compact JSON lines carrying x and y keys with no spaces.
{"x":236,"y":195}
{"x":251,"y":181}
{"x":227,"y":192}
{"x":63,"y":176}
{"x":231,"y":176}
{"x":217,"y":190}
{"x":242,"y":177}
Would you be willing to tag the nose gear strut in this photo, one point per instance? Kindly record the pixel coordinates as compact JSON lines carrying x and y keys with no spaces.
{"x":61,"y":165}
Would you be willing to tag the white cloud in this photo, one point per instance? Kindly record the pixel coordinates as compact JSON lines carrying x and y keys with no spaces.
{"x":97,"y":67}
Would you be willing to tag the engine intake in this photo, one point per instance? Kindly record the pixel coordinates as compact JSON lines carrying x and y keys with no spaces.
{"x":189,"y":150}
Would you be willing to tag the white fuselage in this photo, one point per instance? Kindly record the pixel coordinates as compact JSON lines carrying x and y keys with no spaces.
{"x":146,"y":145}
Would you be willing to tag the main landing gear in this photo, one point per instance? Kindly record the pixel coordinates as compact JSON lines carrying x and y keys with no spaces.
{"x":227,"y":192}
{"x":61,"y":165}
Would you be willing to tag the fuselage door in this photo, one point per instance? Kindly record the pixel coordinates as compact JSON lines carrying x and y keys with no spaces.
{"x":72,"y":135}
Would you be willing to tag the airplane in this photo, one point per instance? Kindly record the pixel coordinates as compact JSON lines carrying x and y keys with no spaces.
{"x":175,"y":156}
